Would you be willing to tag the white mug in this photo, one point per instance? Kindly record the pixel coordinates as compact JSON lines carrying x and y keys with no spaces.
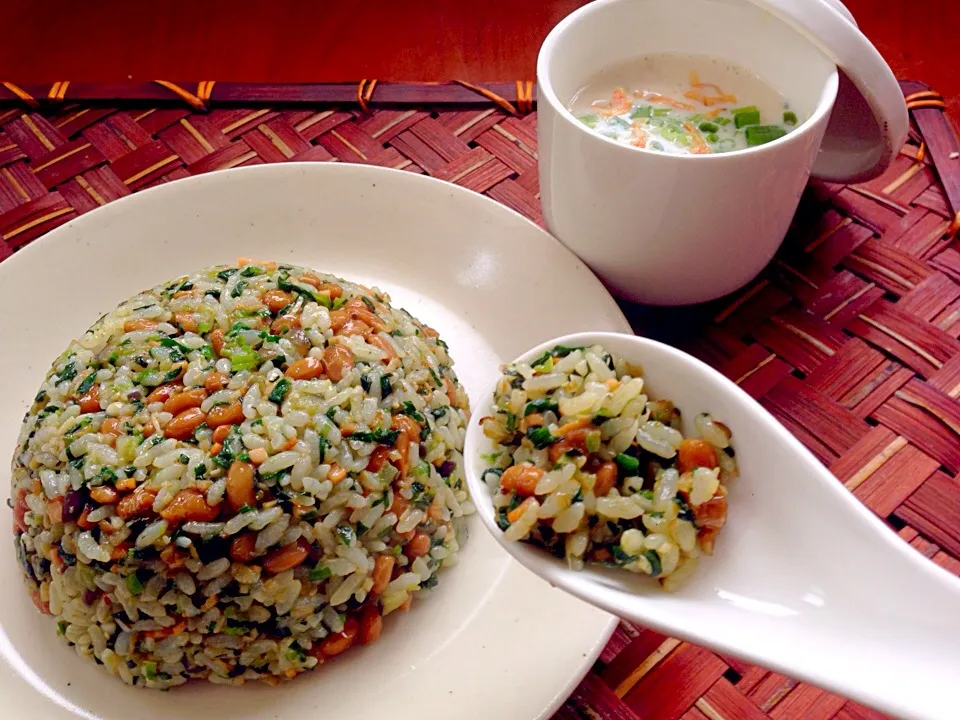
{"x":667,"y":229}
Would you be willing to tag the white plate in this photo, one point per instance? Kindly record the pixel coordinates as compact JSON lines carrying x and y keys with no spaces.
{"x":493,"y":641}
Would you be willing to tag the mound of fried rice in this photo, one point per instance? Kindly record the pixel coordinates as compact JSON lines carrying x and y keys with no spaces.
{"x":237,"y":474}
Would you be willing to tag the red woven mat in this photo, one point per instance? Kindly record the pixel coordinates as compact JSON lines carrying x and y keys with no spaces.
{"x":850,"y":337}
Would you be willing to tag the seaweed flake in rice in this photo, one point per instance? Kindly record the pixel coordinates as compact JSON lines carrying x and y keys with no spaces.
{"x":237,"y":474}
{"x":588,"y":467}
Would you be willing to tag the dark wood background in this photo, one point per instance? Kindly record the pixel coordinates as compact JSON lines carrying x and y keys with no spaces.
{"x":338,"y":40}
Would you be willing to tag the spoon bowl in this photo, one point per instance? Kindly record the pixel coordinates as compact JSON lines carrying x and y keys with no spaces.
{"x":804,"y":580}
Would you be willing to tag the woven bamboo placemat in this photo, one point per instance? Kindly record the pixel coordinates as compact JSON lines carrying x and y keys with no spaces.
{"x":849,"y":337}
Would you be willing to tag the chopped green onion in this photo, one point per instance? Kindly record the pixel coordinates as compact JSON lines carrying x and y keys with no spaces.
{"x":590,"y":120}
{"x":712,"y":137}
{"x":619,"y":121}
{"x":789,"y":117}
{"x":244,"y":359}
{"x":628,"y":464}
{"x":592,"y":441}
{"x":133,"y":584}
{"x":150,"y":670}
{"x":722,"y":120}
{"x":644,"y":111}
{"x":708,"y":127}
{"x":655,"y":146}
{"x":320,"y":572}
{"x":744,"y":116}
{"x":660,"y":112}
{"x":762,"y":134}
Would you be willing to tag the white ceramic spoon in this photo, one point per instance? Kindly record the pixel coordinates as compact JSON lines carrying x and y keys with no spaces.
{"x":805,"y":580}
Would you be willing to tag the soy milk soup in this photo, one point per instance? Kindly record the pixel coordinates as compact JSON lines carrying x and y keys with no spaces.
{"x":683,"y":104}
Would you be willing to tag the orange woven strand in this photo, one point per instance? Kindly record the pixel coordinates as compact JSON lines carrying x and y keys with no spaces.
{"x":954,"y":226}
{"x":21,"y":93}
{"x":489,"y":95}
{"x":525,"y":96}
{"x":365,"y":94}
{"x":58,"y":91}
{"x":205,"y":90}
{"x":925,"y":99}
{"x":921,"y":151}
{"x":194,"y":101}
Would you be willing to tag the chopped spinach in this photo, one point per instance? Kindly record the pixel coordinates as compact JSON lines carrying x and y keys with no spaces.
{"x":655,"y":563}
{"x":557,"y":352}
{"x":79,"y":426}
{"x":541,"y":405}
{"x":227,"y":274}
{"x":69,"y":372}
{"x":430,"y":582}
{"x":237,"y":328}
{"x":496,"y":472}
{"x":385,"y":387}
{"x":87,"y":383}
{"x":104,"y":476}
{"x":409,"y":409}
{"x":346,"y":534}
{"x":171,"y":343}
{"x":620,"y":557}
{"x":384,"y":437}
{"x":685,"y":513}
{"x":280,"y":390}
{"x":172,"y":374}
{"x":232,"y":448}
{"x":541,"y":437}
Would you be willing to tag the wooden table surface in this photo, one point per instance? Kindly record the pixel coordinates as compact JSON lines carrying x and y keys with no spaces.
{"x":337,"y":40}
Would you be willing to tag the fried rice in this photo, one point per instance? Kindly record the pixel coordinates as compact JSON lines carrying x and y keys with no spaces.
{"x":586,"y":465}
{"x":237,"y":474}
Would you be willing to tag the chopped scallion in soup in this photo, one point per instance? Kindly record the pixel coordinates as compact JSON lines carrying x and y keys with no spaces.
{"x":680,"y":104}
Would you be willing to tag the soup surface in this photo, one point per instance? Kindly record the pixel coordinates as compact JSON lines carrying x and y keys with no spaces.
{"x":683,"y":104}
